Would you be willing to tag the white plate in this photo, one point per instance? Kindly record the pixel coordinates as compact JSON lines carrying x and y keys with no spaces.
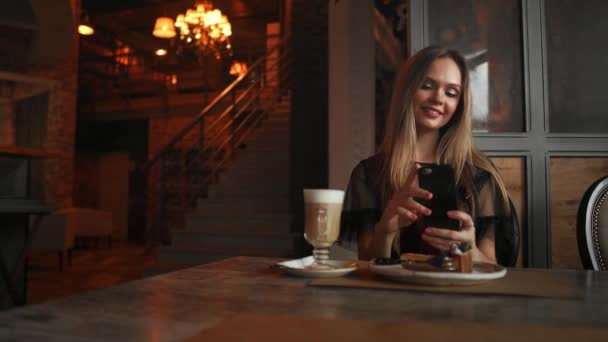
{"x":482,"y":272}
{"x":301,"y":268}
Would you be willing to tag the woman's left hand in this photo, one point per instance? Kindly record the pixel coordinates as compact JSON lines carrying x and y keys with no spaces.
{"x":442,"y":238}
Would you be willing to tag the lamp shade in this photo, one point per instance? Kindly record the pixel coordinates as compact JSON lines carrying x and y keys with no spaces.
{"x":84,"y":27}
{"x":85,"y":30}
{"x":164,"y":28}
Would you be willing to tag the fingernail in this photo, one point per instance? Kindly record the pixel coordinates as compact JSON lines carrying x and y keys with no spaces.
{"x":428,"y":212}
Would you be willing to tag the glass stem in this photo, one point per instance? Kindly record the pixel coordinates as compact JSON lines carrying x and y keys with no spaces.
{"x":321,"y":255}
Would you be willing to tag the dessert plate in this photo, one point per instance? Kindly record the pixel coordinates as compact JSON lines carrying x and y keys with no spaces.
{"x":482,"y":272}
{"x":302,"y":268}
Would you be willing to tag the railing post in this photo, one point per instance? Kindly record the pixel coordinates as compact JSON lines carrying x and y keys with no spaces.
{"x":233,"y":124}
{"x":200,"y":158}
{"x":162,"y":194}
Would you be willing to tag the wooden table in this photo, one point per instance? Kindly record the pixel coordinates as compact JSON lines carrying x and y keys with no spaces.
{"x":182,"y":304}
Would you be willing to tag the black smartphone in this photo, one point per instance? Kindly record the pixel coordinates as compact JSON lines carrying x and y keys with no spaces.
{"x":440,"y":180}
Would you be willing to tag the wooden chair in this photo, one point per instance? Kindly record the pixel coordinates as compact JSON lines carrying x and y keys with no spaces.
{"x":592,"y":226}
{"x":507,"y":239}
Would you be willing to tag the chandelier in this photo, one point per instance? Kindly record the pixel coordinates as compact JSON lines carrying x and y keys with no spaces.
{"x":206,"y":29}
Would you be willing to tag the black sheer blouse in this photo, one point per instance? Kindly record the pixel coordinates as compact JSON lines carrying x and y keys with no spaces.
{"x":363,"y":208}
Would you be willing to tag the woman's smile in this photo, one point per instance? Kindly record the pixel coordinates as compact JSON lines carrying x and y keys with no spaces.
{"x":436,"y":100}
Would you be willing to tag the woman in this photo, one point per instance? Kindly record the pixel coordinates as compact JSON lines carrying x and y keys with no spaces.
{"x":429,"y":121}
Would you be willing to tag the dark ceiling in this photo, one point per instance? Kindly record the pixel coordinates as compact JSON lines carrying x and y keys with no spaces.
{"x":133,"y":20}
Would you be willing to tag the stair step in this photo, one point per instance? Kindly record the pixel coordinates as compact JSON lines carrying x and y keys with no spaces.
{"x":202,"y":255}
{"x":271,"y":153}
{"x":262,"y":166}
{"x":219,"y":222}
{"x":273,"y":171}
{"x":261,"y":160}
{"x":268,"y":144}
{"x":277,"y":121}
{"x":239,"y":230}
{"x":259,"y":166}
{"x":270,"y":137}
{"x":275,"y":147}
{"x":252,"y":181}
{"x":246,"y":205}
{"x":274,"y":130}
{"x":280,"y":110}
{"x":279,"y":190}
{"x":233,"y":240}
{"x":276,"y":174}
{"x":243,"y":186}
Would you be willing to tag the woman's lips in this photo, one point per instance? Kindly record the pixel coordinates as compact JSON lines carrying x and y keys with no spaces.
{"x":432,"y":112}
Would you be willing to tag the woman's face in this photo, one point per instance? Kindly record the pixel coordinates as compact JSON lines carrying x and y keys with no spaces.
{"x":436,"y":100}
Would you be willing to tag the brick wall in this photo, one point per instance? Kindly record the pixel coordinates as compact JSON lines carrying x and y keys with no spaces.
{"x":62,"y":96}
{"x":61,"y":122}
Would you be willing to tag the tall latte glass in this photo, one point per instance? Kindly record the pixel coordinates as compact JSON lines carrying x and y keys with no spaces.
{"x":322,"y":210}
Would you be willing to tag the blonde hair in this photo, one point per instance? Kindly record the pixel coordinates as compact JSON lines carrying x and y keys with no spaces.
{"x":455,"y":146}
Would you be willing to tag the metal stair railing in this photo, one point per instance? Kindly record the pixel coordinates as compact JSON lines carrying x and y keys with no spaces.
{"x":183,"y":168}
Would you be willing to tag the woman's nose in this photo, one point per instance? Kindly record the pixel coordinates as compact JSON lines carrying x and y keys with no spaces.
{"x":438,"y":96}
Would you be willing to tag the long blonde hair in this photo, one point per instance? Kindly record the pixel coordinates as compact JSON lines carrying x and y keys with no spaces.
{"x":455,"y":145}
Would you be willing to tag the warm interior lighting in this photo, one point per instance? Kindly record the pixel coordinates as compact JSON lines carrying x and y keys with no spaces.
{"x":238,"y":68}
{"x":123,"y":56}
{"x":206,"y":28}
{"x":161,"y":52}
{"x":164,"y":28}
{"x":85,"y":28}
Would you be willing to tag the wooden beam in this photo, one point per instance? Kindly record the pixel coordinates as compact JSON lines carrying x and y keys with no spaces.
{"x":19,"y":25}
{"x":27,"y":152}
{"x":21,"y":78}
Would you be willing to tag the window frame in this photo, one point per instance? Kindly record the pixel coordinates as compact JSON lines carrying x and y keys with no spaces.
{"x":536,"y":144}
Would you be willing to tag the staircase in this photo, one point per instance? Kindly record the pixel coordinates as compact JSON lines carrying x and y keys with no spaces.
{"x":247,"y":211}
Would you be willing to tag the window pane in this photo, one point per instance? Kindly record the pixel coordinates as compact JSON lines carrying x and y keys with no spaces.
{"x":577,"y":65}
{"x":570,"y":178}
{"x":513,"y":173}
{"x":488,"y":33}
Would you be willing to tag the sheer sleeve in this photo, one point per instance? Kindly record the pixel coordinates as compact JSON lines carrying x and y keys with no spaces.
{"x":360,"y":211}
{"x":496,"y":222}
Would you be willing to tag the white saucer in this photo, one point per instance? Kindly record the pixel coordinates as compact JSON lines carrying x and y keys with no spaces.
{"x":301,"y":268}
{"x":482,"y":272}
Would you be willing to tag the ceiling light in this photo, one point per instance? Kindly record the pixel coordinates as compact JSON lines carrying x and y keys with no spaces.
{"x":161,"y":52}
{"x":164,"y":28}
{"x":205,"y":29}
{"x":85,"y":28}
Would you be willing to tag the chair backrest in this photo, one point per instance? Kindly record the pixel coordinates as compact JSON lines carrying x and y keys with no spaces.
{"x":507,"y":240}
{"x":592,"y":226}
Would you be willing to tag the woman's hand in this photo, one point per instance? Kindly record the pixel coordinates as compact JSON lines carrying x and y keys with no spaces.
{"x":402,"y":210}
{"x":442,"y":238}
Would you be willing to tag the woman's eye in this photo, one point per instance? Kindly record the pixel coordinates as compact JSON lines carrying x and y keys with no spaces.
{"x":452,"y":93}
{"x":426,"y":85}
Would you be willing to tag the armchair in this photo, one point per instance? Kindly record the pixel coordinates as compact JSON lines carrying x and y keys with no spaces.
{"x":592,"y":226}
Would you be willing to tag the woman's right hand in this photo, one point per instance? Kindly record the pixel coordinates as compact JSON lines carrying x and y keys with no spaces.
{"x":402,"y":209}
